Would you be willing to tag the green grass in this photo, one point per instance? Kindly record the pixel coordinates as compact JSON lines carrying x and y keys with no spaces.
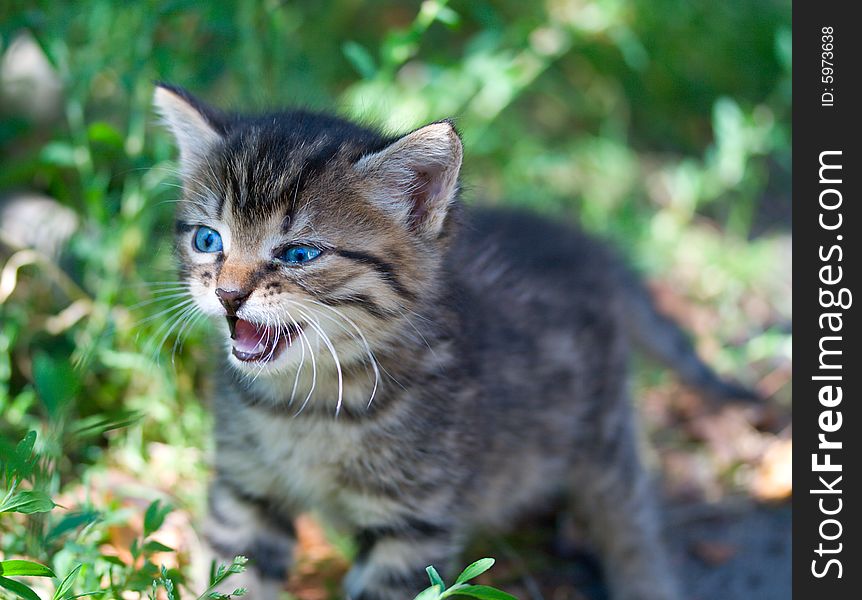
{"x":661,"y":125}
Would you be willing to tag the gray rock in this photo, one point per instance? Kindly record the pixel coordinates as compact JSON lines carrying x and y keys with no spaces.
{"x":32,"y":220}
{"x":29,"y":85}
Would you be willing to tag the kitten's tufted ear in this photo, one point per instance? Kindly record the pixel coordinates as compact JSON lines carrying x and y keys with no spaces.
{"x":416,"y":177}
{"x":197,"y":128}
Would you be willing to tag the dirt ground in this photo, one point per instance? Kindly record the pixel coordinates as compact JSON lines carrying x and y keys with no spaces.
{"x":757,"y":543}
{"x":720,"y":551}
{"x":729,"y":550}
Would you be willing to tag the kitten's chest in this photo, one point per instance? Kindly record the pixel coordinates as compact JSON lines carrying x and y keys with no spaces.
{"x":304,"y":461}
{"x":307,"y":455}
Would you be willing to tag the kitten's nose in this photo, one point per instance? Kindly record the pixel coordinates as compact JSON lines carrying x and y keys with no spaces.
{"x":231,"y":299}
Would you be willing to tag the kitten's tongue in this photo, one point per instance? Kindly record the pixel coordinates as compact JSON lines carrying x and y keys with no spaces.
{"x":253,"y":341}
{"x":251,"y":338}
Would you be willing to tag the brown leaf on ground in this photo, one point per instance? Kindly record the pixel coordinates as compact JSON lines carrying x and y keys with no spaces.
{"x":773,"y":478}
{"x":730,"y":435}
{"x":696,"y":318}
{"x":689,"y":475}
{"x":319,"y":567}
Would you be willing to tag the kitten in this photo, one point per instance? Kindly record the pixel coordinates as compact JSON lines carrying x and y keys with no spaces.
{"x":407,"y":368}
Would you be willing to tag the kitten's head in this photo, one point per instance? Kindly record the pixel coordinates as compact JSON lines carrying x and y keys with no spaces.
{"x":307,"y":234}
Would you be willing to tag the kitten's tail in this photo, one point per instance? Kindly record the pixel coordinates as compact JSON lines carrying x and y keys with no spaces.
{"x":664,"y":340}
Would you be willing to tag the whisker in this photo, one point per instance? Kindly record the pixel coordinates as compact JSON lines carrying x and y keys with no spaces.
{"x":190,"y":317}
{"x":160,"y":283}
{"x":325,"y":338}
{"x":264,"y":335}
{"x":373,"y":359}
{"x":167,"y":327}
{"x":168,"y":310}
{"x":160,"y":298}
{"x":301,"y":359}
{"x":416,"y":329}
{"x":196,"y":319}
{"x":313,"y":371}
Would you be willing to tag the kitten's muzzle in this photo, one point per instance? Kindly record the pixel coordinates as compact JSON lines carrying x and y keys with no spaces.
{"x":232,"y":300}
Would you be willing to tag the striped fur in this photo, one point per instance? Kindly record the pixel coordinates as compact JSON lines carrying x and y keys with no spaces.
{"x":481,"y":355}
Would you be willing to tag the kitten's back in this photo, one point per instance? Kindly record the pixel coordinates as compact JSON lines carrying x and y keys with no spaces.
{"x":566,"y":274}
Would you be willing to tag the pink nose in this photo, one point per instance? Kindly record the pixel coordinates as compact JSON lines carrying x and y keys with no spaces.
{"x":232,"y":299}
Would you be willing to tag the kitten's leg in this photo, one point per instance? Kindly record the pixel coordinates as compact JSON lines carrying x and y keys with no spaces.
{"x":613,"y":493}
{"x":240,"y":524}
{"x":391,"y":561}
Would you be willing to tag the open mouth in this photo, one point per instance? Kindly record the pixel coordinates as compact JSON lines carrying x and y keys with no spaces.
{"x":258,"y":343}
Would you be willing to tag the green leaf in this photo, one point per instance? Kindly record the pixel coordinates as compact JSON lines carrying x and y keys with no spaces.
{"x":24,"y":568}
{"x":484,"y":592}
{"x":167,"y":583}
{"x":448,"y":17}
{"x":56,"y":382}
{"x":114,"y":560}
{"x":71,"y":522}
{"x":28,"y":502}
{"x":19,"y":588}
{"x":238,"y":564}
{"x":360,"y":58}
{"x":102,"y":132}
{"x":142,"y":579}
{"x":65,"y":587}
{"x":434,"y":576}
{"x":222,"y":573}
{"x":154,"y":546}
{"x":25,"y":446}
{"x":19,"y":461}
{"x":474,"y":570}
{"x":99,"y":424}
{"x":155,"y":516}
{"x":430,"y":593}
{"x":61,"y":154}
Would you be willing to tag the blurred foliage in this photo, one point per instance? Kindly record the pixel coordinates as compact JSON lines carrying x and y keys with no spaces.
{"x":662,"y":124}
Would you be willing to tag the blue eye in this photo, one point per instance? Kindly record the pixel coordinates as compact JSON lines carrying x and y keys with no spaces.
{"x":207,"y":240}
{"x":297,"y":255}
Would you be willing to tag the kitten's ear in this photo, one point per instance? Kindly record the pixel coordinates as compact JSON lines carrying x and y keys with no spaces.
{"x":196,"y":127}
{"x":416,"y":177}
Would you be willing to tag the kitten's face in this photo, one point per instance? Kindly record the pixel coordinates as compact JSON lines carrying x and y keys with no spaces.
{"x":308,"y":238}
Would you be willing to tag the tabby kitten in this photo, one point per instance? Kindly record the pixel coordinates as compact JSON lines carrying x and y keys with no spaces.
{"x":408,"y":369}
